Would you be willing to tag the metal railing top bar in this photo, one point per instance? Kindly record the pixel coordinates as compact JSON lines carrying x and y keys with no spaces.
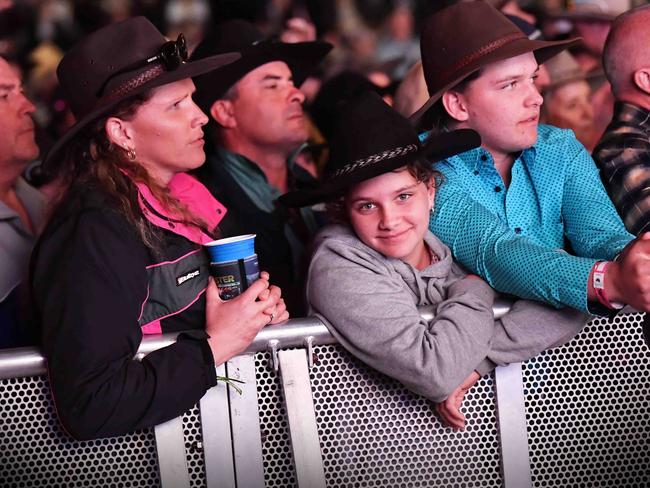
{"x":29,"y":361}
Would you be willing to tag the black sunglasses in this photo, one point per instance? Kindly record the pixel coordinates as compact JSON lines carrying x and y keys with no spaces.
{"x":172,"y":54}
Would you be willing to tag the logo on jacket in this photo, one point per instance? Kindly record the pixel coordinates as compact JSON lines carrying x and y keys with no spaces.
{"x":187,"y":276}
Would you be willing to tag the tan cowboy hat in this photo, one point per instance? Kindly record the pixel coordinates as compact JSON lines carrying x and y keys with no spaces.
{"x":606,"y":10}
{"x":461,"y":39}
{"x":118,"y":62}
{"x":563,"y":69}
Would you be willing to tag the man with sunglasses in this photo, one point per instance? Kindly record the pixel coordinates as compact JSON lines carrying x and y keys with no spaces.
{"x":257,"y":125}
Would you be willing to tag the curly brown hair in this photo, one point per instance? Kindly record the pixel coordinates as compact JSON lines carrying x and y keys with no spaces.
{"x":421,"y":169}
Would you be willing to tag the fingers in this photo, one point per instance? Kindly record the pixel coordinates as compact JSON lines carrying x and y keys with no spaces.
{"x":450,"y":414}
{"x":256,"y":289}
{"x":212,"y":291}
{"x":271,"y":298}
{"x":280,"y":313}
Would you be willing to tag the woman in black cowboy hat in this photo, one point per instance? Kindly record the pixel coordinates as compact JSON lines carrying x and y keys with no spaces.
{"x":371,"y":272}
{"x":122,"y":255}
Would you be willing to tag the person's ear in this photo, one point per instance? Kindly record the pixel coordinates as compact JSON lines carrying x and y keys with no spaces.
{"x":455,"y":105}
{"x":223,"y":113}
{"x":642,"y":80}
{"x":120,"y":133}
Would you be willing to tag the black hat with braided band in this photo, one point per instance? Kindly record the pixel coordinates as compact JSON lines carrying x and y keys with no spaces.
{"x":370,"y":138}
{"x":118,"y":62}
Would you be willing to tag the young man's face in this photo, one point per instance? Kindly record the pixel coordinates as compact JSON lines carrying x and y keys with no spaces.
{"x":503,"y":105}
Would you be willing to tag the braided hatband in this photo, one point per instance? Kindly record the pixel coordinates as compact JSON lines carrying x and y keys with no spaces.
{"x":375,"y":158}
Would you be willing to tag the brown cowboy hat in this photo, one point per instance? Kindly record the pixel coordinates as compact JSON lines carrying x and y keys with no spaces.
{"x":118,"y":62}
{"x":463,"y":38}
{"x":369,"y":139}
{"x":256,"y":50}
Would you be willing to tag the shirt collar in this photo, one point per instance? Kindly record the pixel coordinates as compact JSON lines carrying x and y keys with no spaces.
{"x":196,"y":198}
{"x":633,"y":114}
{"x":475,"y":158}
{"x":32,"y":199}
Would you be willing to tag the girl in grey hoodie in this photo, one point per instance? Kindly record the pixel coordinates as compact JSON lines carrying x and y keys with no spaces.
{"x":371,"y":273}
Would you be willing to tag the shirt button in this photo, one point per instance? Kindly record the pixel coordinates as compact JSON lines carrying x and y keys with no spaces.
{"x":497,"y":188}
{"x":475,"y":171}
{"x":483,"y":157}
{"x":517,"y":230}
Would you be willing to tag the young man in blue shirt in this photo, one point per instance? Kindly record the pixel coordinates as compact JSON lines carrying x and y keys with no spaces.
{"x":527,"y":210}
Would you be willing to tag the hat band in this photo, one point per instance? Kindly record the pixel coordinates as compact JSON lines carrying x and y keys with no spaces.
{"x":133,"y":84}
{"x":375,"y":158}
{"x":452,"y":71}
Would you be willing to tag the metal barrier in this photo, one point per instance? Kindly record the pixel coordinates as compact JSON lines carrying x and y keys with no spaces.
{"x":311,"y":415}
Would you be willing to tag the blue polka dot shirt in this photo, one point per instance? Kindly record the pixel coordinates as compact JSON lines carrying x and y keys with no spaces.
{"x":539,"y":237}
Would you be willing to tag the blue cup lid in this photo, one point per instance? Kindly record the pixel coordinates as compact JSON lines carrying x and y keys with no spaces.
{"x":231,"y":248}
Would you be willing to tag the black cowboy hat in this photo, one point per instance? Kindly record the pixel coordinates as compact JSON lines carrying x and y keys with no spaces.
{"x":239,"y":35}
{"x":371,"y":139}
{"x":117,"y":62}
{"x":487,"y":36}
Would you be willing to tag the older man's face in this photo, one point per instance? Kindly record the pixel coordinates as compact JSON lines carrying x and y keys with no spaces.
{"x":268,"y":107}
{"x":17,"y":142}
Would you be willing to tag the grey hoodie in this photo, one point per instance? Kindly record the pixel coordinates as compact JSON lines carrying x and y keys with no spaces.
{"x":370,"y":304}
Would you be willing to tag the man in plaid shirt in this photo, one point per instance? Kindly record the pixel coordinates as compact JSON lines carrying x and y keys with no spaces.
{"x":623,"y":153}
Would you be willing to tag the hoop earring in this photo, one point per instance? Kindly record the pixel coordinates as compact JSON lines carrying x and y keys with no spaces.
{"x":131,"y":154}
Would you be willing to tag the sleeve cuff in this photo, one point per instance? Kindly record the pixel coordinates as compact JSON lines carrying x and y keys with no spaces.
{"x":201,"y":338}
{"x":485,"y":367}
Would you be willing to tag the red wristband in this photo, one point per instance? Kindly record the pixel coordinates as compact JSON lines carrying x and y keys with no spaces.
{"x":599,"y":286}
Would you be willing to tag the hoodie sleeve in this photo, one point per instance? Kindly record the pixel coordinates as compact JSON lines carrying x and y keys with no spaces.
{"x":373,"y":314}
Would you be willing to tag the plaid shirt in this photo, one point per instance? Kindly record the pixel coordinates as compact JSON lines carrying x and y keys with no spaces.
{"x":623,"y":155}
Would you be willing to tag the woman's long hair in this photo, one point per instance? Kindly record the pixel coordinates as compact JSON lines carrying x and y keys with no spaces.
{"x":90,"y":160}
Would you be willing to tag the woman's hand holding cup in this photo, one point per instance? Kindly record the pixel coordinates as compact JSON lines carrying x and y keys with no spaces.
{"x":233,"y":324}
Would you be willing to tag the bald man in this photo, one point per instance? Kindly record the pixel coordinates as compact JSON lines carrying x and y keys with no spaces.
{"x":623,"y":153}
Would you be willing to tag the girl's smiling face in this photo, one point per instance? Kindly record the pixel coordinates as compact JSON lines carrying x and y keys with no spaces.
{"x":390,"y":213}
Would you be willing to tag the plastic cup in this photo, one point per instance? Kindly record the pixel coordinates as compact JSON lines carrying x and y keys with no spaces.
{"x":233,"y":264}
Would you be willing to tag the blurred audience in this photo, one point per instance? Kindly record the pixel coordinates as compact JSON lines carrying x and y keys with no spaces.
{"x":567,"y":99}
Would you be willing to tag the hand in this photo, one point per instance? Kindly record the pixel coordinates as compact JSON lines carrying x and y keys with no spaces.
{"x":298,"y":30}
{"x":233,"y":324}
{"x":277,"y":313}
{"x":449,"y":409}
{"x":627,"y":280}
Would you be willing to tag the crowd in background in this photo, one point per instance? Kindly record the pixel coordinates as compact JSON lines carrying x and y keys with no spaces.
{"x":376,"y":44}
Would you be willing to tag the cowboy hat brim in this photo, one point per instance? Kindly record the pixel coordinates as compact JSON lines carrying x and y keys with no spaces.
{"x":543,"y":50}
{"x":434,"y":149}
{"x":185,"y":70}
{"x":301,"y":57}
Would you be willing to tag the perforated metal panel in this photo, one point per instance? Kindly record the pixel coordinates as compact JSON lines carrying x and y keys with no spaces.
{"x":35,"y":452}
{"x":276,"y":444}
{"x":374,"y":432}
{"x":194,"y":447}
{"x":588,"y":409}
